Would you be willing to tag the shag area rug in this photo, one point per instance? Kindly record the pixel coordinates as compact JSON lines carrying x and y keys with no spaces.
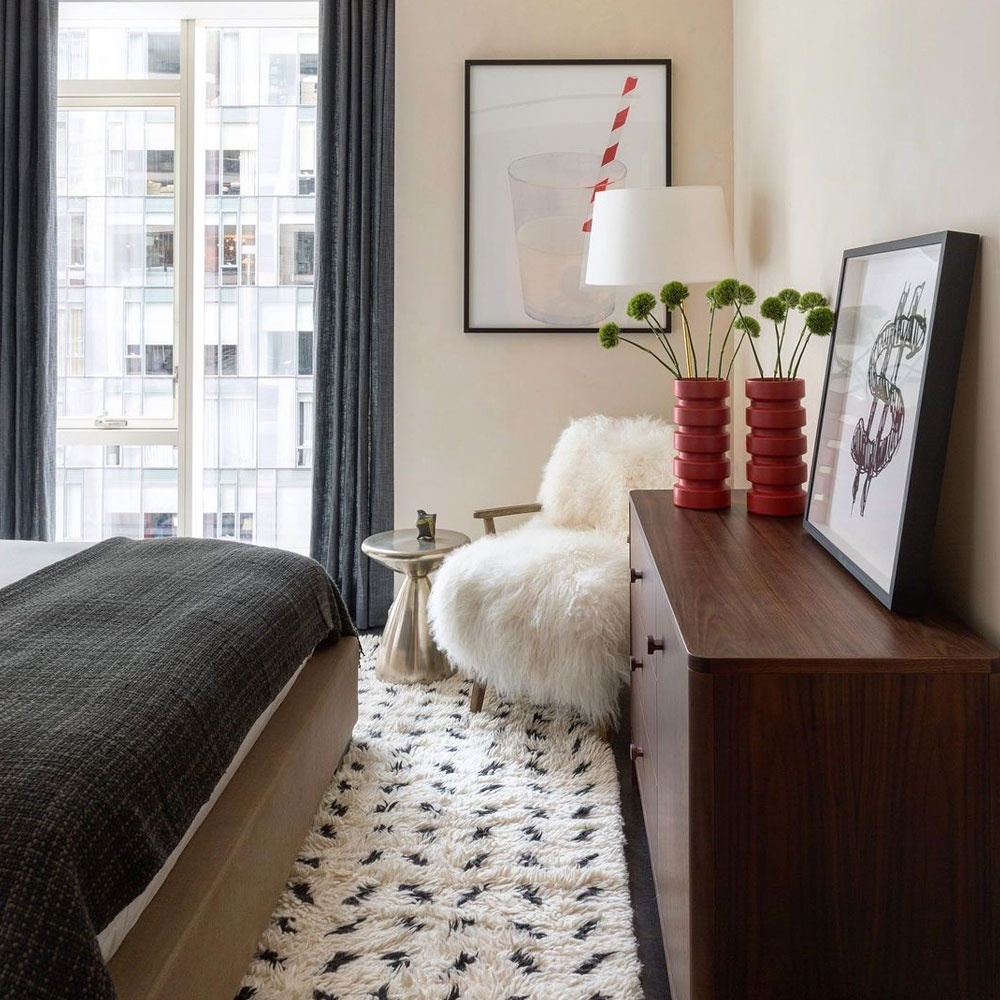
{"x":457,"y":855}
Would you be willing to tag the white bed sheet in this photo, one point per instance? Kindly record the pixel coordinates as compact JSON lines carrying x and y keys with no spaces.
{"x":17,"y":560}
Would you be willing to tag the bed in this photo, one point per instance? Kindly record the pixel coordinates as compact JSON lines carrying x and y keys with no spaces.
{"x":200,"y":882}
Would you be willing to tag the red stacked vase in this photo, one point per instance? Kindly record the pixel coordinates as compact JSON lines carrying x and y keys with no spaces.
{"x":701,"y":467}
{"x":776,"y":443}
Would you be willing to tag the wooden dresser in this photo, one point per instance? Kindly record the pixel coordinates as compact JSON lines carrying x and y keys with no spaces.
{"x":817,"y":775}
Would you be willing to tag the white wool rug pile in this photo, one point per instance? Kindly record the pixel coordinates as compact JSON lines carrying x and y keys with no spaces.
{"x":457,"y":856}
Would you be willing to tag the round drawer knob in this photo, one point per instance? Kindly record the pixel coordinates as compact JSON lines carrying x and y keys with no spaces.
{"x":636,"y":574}
{"x":634,"y":663}
{"x":635,"y":751}
{"x":652,"y":645}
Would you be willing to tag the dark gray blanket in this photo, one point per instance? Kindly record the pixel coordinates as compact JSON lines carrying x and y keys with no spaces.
{"x":129,"y":675}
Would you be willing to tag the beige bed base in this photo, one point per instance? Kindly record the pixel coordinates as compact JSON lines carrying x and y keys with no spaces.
{"x":197,"y":936}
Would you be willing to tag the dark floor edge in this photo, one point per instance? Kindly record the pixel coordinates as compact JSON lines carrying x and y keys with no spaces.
{"x":645,"y":915}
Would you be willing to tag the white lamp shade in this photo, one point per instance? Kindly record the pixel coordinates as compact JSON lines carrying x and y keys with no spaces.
{"x":643,"y":236}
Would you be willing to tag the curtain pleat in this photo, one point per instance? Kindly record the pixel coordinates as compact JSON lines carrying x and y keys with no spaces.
{"x":352,"y":462}
{"x":28,"y":66}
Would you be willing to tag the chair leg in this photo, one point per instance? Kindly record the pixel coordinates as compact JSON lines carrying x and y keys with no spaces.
{"x":476,"y":698}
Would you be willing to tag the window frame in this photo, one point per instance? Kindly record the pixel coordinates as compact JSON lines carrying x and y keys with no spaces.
{"x":185,"y":431}
{"x":177,"y":94}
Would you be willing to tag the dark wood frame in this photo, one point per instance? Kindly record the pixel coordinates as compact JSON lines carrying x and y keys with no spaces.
{"x":470,"y":64}
{"x":908,"y":585}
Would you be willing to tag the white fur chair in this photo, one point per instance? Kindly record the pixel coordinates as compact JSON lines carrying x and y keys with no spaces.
{"x":542,"y":611}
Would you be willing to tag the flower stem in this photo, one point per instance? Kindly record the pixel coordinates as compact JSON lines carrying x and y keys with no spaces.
{"x":781,"y":340}
{"x":661,"y":336}
{"x":689,"y":355}
{"x":793,"y":366}
{"x":673,"y":371}
{"x":796,"y":363}
{"x":732,"y":360}
{"x":725,"y":341}
{"x":708,"y":353}
{"x":760,"y":367}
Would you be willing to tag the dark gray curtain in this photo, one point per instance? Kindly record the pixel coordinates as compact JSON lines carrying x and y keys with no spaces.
{"x":352,"y":443}
{"x":28,"y":47}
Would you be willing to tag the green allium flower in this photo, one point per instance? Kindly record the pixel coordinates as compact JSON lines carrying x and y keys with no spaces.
{"x":789,"y":297}
{"x":774,"y":309}
{"x":810,"y":300}
{"x":640,"y":305}
{"x":725,"y":291}
{"x":609,"y":334}
{"x":673,"y":294}
{"x":745,"y":295}
{"x":820,"y":320}
{"x":749,"y":324}
{"x":713,"y":303}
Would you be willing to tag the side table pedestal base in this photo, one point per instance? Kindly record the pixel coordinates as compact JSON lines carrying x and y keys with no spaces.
{"x":407,"y":653}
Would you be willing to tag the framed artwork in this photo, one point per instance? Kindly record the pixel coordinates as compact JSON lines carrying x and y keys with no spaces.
{"x":886,"y":411}
{"x":541,"y":138}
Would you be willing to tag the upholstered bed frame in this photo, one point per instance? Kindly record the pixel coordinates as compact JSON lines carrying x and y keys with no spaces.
{"x":197,"y":936}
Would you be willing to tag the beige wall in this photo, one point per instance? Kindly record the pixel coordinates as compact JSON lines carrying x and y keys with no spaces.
{"x":858,"y":122}
{"x":477,"y":414}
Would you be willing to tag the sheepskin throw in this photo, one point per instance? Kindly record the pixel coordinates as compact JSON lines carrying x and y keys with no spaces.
{"x":596,"y":462}
{"x":542,"y":611}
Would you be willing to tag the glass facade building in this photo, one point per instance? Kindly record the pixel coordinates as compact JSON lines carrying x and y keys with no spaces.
{"x":119,"y":220}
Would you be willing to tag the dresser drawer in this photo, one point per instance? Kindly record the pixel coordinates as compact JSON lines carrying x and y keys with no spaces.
{"x":643,"y":578}
{"x":644,"y":762}
{"x":642,"y":703}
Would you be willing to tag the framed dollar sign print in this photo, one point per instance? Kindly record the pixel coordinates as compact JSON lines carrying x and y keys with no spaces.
{"x":886,"y":411}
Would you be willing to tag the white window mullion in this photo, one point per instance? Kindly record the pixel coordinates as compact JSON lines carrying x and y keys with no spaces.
{"x":190,"y":279}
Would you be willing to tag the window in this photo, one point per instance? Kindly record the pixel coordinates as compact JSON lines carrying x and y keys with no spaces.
{"x":296,"y":252}
{"x":77,"y":248}
{"x":142,"y":293}
{"x":307,"y":157}
{"x":303,"y":453}
{"x":159,"y":248}
{"x":159,"y":171}
{"x":305,"y":352}
{"x":163,"y":54}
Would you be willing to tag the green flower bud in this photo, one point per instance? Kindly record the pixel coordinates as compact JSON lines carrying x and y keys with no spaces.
{"x":789,"y":298}
{"x":640,"y":305}
{"x":820,"y":321}
{"x":810,"y":300}
{"x":749,"y":324}
{"x":673,"y":294}
{"x":745,"y":295}
{"x":726,"y":291}
{"x":609,"y":334}
{"x":774,"y":309}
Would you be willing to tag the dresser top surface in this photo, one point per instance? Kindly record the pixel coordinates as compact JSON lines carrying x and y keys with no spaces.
{"x":757,"y":593}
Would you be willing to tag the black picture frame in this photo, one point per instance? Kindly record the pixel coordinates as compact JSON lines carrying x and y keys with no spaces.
{"x":885,"y":416}
{"x":554,"y":105}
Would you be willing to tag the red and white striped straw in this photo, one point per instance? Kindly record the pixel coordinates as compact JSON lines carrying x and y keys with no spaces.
{"x":611,"y":149}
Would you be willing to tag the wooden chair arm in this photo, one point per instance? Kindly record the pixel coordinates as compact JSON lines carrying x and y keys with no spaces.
{"x":487,"y":514}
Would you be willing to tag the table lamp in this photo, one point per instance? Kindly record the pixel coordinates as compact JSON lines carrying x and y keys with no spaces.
{"x":648,"y":236}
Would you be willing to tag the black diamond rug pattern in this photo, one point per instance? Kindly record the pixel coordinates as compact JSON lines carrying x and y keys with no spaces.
{"x":457,"y":855}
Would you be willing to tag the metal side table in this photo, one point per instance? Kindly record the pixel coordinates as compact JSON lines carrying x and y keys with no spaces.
{"x":408,"y":654}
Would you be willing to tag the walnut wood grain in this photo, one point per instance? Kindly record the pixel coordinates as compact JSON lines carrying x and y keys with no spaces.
{"x":757,"y":593}
{"x":826,"y":779}
{"x":855,"y":840}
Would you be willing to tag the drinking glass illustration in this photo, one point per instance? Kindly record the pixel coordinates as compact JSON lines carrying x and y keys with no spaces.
{"x":550,"y":194}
